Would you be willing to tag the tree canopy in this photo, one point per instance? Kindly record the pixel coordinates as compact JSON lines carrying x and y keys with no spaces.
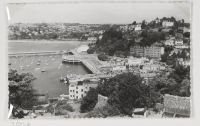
{"x":21,"y":93}
{"x":125,"y":91}
{"x":89,"y":101}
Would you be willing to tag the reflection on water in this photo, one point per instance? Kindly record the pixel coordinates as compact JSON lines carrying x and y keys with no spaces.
{"x":47,"y":69}
{"x":41,"y":46}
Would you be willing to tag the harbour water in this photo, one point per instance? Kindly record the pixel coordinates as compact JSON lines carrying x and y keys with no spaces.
{"x":47,"y":69}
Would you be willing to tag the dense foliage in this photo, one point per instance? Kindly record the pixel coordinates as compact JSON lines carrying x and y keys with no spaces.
{"x":125,"y":92}
{"x":112,"y":41}
{"x":150,"y":37}
{"x":103,"y":112}
{"x":102,"y":57}
{"x":21,"y":93}
{"x":89,"y":101}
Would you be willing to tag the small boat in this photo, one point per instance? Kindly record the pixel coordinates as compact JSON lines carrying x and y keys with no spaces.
{"x":37,"y":69}
{"x":9,"y":64}
{"x":61,"y":79}
{"x":43,"y":70}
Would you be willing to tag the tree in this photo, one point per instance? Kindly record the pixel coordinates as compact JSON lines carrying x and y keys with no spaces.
{"x":164,"y":85}
{"x":102,"y":57}
{"x":91,"y":50}
{"x":21,"y":92}
{"x":185,"y":88}
{"x":124,"y":91}
{"x":180,"y":73}
{"x":164,"y":57}
{"x":186,"y":34}
{"x":134,"y":23}
{"x":143,"y":26}
{"x":89,"y":101}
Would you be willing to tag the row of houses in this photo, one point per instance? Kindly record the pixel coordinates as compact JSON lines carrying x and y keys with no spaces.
{"x":132,"y":27}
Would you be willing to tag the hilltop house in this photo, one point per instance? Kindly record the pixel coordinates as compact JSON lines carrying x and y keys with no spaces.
{"x":167,"y":23}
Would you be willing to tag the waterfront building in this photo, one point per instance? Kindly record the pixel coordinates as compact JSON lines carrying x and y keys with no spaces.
{"x":79,"y":88}
{"x":167,"y":23}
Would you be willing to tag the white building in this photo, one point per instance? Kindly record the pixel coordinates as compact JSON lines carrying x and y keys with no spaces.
{"x":83,"y":49}
{"x":167,"y":23}
{"x":92,"y":39}
{"x":100,"y":37}
{"x":151,"y":67}
{"x":119,"y":68}
{"x":136,"y":61}
{"x":169,"y":42}
{"x":138,"y":27}
{"x":178,"y":42}
{"x":79,"y":89}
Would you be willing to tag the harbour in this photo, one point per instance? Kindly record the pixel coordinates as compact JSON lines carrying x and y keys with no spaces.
{"x":46,"y":66}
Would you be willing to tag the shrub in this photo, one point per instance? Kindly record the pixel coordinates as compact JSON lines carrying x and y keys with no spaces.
{"x":50,"y":109}
{"x":104,"y":112}
{"x":89,"y":101}
{"x":102,"y":57}
{"x":63,"y":105}
{"x":67,"y":107}
{"x":91,"y":50}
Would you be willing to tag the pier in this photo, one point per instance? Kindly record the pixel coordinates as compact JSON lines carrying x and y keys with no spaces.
{"x":89,"y":61}
{"x":41,"y":53}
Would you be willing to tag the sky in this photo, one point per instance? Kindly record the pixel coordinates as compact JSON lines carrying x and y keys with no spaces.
{"x":96,"y":13}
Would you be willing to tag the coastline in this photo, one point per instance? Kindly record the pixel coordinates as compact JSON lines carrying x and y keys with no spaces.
{"x":48,"y":41}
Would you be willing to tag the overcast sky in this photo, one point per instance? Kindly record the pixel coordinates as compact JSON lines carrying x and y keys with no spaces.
{"x":96,"y":13}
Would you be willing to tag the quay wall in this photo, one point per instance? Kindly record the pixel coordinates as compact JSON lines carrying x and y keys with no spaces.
{"x":37,"y":53}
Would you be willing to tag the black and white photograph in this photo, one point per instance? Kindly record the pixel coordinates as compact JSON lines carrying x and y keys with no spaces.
{"x":103,"y":59}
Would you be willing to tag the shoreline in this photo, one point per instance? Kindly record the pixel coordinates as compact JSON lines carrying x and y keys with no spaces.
{"x":47,"y":41}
